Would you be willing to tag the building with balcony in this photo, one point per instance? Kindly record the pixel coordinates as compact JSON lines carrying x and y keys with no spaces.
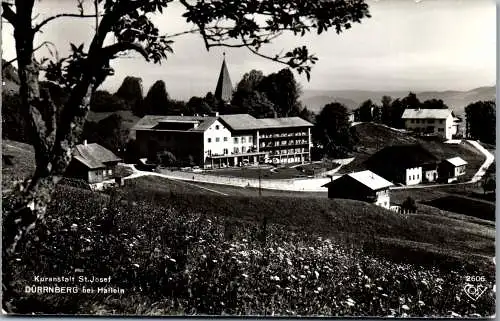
{"x":363,"y":186}
{"x":225,"y":141}
{"x":439,"y":122}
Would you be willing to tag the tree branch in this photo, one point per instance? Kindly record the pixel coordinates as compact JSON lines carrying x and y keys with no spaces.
{"x":109,"y":51}
{"x":45,"y":43}
{"x":8,"y":13}
{"x":72,"y":15}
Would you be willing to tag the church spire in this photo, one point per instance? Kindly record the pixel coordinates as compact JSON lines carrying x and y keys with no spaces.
{"x":224,"y":89}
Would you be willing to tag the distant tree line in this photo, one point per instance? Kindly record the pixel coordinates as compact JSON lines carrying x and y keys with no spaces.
{"x":389,"y":111}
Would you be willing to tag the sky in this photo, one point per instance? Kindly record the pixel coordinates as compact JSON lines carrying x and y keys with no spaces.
{"x":416,"y":45}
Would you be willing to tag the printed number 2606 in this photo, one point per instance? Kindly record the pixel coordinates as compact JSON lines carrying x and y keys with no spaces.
{"x":475,"y":278}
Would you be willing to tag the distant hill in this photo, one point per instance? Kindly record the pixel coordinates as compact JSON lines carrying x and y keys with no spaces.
{"x":456,"y":100}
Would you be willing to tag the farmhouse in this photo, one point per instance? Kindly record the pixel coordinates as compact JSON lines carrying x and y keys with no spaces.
{"x":451,"y":169}
{"x":228,"y":140}
{"x":405,"y":164}
{"x":363,"y":186}
{"x":92,"y":163}
{"x":431,"y":121}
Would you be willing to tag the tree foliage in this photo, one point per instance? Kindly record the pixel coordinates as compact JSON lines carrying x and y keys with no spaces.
{"x":481,"y":121}
{"x":283,"y":91}
{"x":331,"y":130}
{"x":131,"y":92}
{"x":103,"y":101}
{"x":156,"y":102}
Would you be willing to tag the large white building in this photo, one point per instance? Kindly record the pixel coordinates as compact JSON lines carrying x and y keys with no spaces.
{"x":431,"y":121}
{"x":227,"y":140}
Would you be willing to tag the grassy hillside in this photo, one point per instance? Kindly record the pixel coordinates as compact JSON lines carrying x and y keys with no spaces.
{"x":177,"y":258}
{"x":371,"y":137}
{"x":18,"y":162}
{"x":321,"y":215}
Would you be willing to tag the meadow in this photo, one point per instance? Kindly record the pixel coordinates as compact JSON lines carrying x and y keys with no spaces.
{"x":176,"y":259}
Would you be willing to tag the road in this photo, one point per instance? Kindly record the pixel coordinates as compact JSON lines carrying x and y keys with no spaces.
{"x":476,"y":178}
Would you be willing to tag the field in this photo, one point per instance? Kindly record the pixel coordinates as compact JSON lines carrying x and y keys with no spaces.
{"x":253,"y":172}
{"x":189,"y":256}
{"x":186,"y":248}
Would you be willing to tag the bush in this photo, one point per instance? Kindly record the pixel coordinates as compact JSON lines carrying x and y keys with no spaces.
{"x":409,"y":205}
{"x":167,"y":159}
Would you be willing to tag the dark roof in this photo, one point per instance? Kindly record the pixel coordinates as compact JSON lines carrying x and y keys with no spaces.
{"x":94,"y":155}
{"x":151,"y":121}
{"x":401,"y":156}
{"x":248,"y":122}
{"x":224,"y":89}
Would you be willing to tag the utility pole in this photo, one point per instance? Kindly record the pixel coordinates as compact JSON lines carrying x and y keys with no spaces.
{"x":260,"y":181}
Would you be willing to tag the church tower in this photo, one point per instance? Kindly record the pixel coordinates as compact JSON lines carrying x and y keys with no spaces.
{"x":224,"y":89}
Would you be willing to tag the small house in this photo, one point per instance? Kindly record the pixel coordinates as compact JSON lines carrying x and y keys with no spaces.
{"x":92,"y":163}
{"x":405,"y":164}
{"x":452,"y":168}
{"x":363,"y":186}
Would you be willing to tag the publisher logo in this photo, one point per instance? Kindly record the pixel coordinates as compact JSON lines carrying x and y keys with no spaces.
{"x":474,"y":291}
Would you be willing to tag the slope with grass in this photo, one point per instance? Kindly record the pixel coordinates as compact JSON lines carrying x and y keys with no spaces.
{"x":372,"y":137}
{"x":328,"y":217}
{"x":200,"y":254}
{"x":18,"y":162}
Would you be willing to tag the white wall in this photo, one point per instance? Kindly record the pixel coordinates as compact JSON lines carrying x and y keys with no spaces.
{"x":413,"y":176}
{"x":443,"y":127}
{"x":217,"y":147}
{"x":383,"y":199}
{"x":244,"y":143}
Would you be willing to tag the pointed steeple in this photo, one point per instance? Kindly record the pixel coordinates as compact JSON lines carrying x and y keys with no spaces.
{"x":224,"y":89}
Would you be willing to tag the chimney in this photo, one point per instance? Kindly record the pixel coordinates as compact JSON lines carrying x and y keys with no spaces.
{"x":85,"y":142}
{"x":216,"y":114}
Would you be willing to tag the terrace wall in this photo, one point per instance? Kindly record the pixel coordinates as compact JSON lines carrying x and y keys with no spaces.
{"x":309,"y":185}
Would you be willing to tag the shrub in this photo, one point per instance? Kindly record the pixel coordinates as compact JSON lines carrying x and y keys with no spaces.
{"x":409,"y":205}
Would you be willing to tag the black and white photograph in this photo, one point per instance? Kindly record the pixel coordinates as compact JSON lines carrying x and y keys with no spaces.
{"x":249,"y":158}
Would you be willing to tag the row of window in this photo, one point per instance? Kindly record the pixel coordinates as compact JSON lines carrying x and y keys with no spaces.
{"x":410,"y":177}
{"x":429,"y":121}
{"x":283,"y":135}
{"x":288,"y":151}
{"x":284,"y":143}
{"x":235,"y":140}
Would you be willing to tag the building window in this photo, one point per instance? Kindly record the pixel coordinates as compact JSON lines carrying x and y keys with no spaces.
{"x":236,"y":150}
{"x":440,"y":130}
{"x":209,"y":152}
{"x":225,"y":139}
{"x":236,"y":140}
{"x":210,"y":140}
{"x":243,"y":140}
{"x":225,"y":151}
{"x":217,"y":127}
{"x":217,"y":139}
{"x":441,"y":121}
{"x":110,"y":172}
{"x":250,"y":139}
{"x":418,"y":121}
{"x":413,"y":121}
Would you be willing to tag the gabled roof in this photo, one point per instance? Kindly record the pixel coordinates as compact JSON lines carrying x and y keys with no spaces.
{"x":367,"y":178}
{"x":151,"y":121}
{"x":248,"y":122}
{"x":94,"y":155}
{"x":456,"y":161}
{"x":401,"y":156}
{"x":426,"y":113}
{"x":224,"y":89}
